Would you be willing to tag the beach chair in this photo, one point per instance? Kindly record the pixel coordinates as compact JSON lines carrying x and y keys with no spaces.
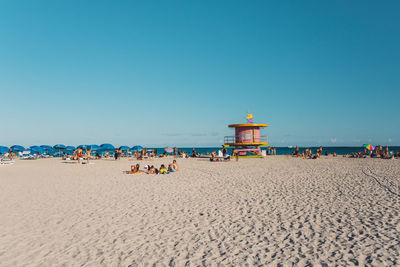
{"x":27,"y":155}
{"x":4,"y":159}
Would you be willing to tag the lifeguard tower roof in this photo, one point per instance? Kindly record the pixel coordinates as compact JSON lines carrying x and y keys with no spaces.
{"x":248,"y":125}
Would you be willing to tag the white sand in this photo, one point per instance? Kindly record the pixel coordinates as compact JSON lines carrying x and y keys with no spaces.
{"x":257,"y":211}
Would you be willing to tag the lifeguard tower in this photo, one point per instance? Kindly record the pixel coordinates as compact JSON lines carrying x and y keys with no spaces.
{"x":247,"y":141}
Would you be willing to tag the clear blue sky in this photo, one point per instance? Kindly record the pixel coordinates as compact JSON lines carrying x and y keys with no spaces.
{"x":177,"y":72}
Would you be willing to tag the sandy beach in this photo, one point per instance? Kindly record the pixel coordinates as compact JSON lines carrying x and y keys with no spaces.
{"x":274,"y":211}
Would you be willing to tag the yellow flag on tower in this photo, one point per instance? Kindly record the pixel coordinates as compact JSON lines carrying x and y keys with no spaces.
{"x":250,"y":118}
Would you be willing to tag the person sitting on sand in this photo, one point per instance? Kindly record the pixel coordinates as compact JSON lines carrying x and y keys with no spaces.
{"x":316,"y":156}
{"x":175,"y":164}
{"x":134,"y":169}
{"x":296,"y":152}
{"x":213,"y":155}
{"x":387,"y":151}
{"x":151,"y":170}
{"x":171,"y":168}
{"x":227,"y":157}
{"x":163,"y":170}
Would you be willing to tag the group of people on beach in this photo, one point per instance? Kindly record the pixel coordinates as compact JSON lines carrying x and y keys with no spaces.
{"x":173,"y":167}
{"x":308,"y":153}
{"x":183,"y":154}
{"x":79,"y":154}
{"x":378,"y":152}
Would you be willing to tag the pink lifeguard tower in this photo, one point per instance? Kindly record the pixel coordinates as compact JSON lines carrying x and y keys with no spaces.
{"x":247,"y":141}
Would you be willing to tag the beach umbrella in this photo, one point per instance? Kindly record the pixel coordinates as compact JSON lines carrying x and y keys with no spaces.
{"x":70,"y":148}
{"x":168,"y":149}
{"x":45,"y":147}
{"x":90,"y":147}
{"x":37,"y":149}
{"x":95,"y":147}
{"x":4,"y":149}
{"x":107,"y":147}
{"x":124,"y":147}
{"x":17,"y":148}
{"x":59,"y":146}
{"x":369,"y":147}
{"x":137,"y":148}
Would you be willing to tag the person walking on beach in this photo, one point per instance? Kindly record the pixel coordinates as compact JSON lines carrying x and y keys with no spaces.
{"x":88,"y":151}
{"x":175,"y":152}
{"x":236,"y":155}
{"x":78,"y":154}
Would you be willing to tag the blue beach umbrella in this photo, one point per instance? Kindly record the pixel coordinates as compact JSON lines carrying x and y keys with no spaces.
{"x":124,"y":148}
{"x":37,"y":149}
{"x":59,"y":146}
{"x":46,"y":147}
{"x":17,"y":148}
{"x":95,"y":147}
{"x":70,"y":148}
{"x":92,"y":147}
{"x":4,"y":149}
{"x":107,"y":147}
{"x":137,"y":148}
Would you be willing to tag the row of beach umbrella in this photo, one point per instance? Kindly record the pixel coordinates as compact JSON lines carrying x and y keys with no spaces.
{"x":45,"y":148}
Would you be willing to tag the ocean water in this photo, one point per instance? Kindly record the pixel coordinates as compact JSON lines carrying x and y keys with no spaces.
{"x":285,"y":150}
